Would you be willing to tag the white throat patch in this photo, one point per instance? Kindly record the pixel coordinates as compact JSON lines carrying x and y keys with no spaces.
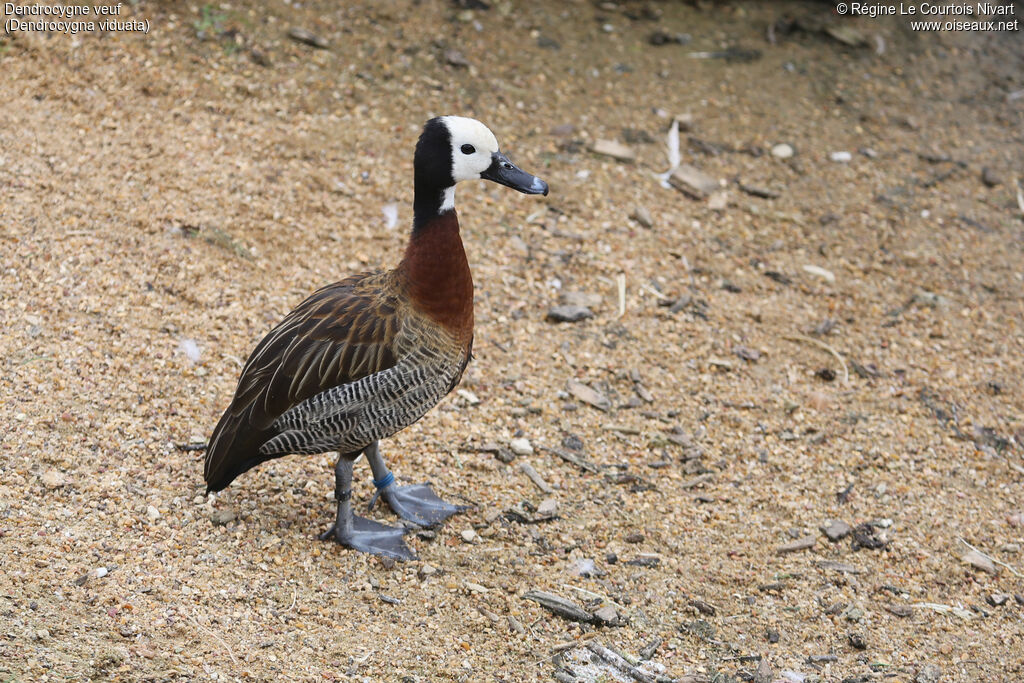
{"x":448,"y":199}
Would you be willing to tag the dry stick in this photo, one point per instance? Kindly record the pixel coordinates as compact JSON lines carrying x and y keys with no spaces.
{"x":620,"y":281}
{"x":217,"y":638}
{"x":538,"y":481}
{"x":986,"y":555}
{"x":826,"y":347}
{"x":620,"y":663}
{"x":653,"y":291}
{"x":592,"y":595}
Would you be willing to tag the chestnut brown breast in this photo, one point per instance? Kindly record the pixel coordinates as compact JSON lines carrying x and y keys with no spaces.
{"x":437,"y":274}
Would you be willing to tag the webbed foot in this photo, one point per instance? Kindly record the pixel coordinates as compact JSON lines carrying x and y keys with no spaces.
{"x":369,"y":536}
{"x":418,"y":504}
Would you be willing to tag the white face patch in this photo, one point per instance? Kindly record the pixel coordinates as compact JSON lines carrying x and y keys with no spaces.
{"x":472,"y":146}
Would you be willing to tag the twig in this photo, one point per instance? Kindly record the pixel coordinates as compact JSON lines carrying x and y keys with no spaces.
{"x":989,"y":557}
{"x":620,"y":281}
{"x":620,"y":663}
{"x":653,"y":291}
{"x":826,"y":347}
{"x":592,"y":595}
{"x":1020,"y":195}
{"x":538,"y":481}
{"x":217,"y":638}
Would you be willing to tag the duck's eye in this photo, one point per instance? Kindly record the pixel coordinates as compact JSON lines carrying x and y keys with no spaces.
{"x":468,"y":149}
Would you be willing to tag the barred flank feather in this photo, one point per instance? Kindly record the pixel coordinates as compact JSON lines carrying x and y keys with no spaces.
{"x":355,"y":362}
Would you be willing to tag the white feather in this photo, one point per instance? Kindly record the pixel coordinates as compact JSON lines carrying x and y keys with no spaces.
{"x":390,"y":215}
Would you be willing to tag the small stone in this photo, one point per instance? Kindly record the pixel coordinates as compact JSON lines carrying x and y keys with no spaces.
{"x":456,"y":58}
{"x":783,"y":151}
{"x":222,"y":517}
{"x":990,"y":177}
{"x":858,"y":642}
{"x":607,"y":614}
{"x":634,"y":537}
{"x":772,"y":635}
{"x":693,"y":182}
{"x":569,"y":314}
{"x":301,"y":35}
{"x":979,"y":561}
{"x":997,"y":599}
{"x":468,"y":396}
{"x":468,"y":535}
{"x":642,"y":216}
{"x":804,"y":543}
{"x":53,"y":479}
{"x":1010,"y":548}
{"x":662,"y":37}
{"x":929,"y":673}
{"x":588,"y":395}
{"x":585,"y":299}
{"x":547,"y":507}
{"x":841,"y":157}
{"x":521,"y":446}
{"x":900,"y":610}
{"x":425,"y":571}
{"x":476,"y":587}
{"x":827,"y":275}
{"x":614,"y":149}
{"x":836,"y":530}
{"x":41,"y":634}
{"x":853,"y":613}
{"x":152,"y":513}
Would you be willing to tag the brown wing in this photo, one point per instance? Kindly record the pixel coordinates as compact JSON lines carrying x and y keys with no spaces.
{"x":341,"y":333}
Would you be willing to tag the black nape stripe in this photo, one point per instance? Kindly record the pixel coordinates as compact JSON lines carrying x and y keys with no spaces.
{"x":432,"y":171}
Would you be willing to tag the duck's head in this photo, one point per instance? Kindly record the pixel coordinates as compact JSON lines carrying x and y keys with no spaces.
{"x":456,"y":148}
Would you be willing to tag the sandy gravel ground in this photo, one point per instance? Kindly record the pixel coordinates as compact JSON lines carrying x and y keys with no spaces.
{"x":166,"y":198}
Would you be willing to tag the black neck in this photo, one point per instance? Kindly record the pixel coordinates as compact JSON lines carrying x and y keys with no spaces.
{"x":426,"y":205}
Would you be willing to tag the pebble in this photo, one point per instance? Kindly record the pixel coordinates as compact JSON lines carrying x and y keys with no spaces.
{"x":841,"y":157}
{"x":857,"y":641}
{"x":569,"y":314}
{"x":53,"y":479}
{"x":979,"y":561}
{"x":693,"y":182}
{"x":997,"y":599}
{"x":152,"y":513}
{"x":468,"y":535}
{"x":783,"y":151}
{"x":836,"y":530}
{"x":468,"y":396}
{"x":521,"y":446}
{"x":929,"y":673}
{"x":425,"y":571}
{"x":823,"y":273}
{"x":614,"y":149}
{"x":642,"y":216}
{"x":547,"y":507}
{"x":990,"y":177}
{"x":635,"y":537}
{"x":606,"y":614}
{"x":222,"y":517}
{"x":588,"y":395}
{"x":1010,"y":548}
{"x":584,"y":299}
{"x":302,"y":35}
{"x":456,"y":58}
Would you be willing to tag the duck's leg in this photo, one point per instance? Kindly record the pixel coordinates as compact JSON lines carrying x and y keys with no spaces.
{"x":356,"y":532}
{"x":417,"y":503}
